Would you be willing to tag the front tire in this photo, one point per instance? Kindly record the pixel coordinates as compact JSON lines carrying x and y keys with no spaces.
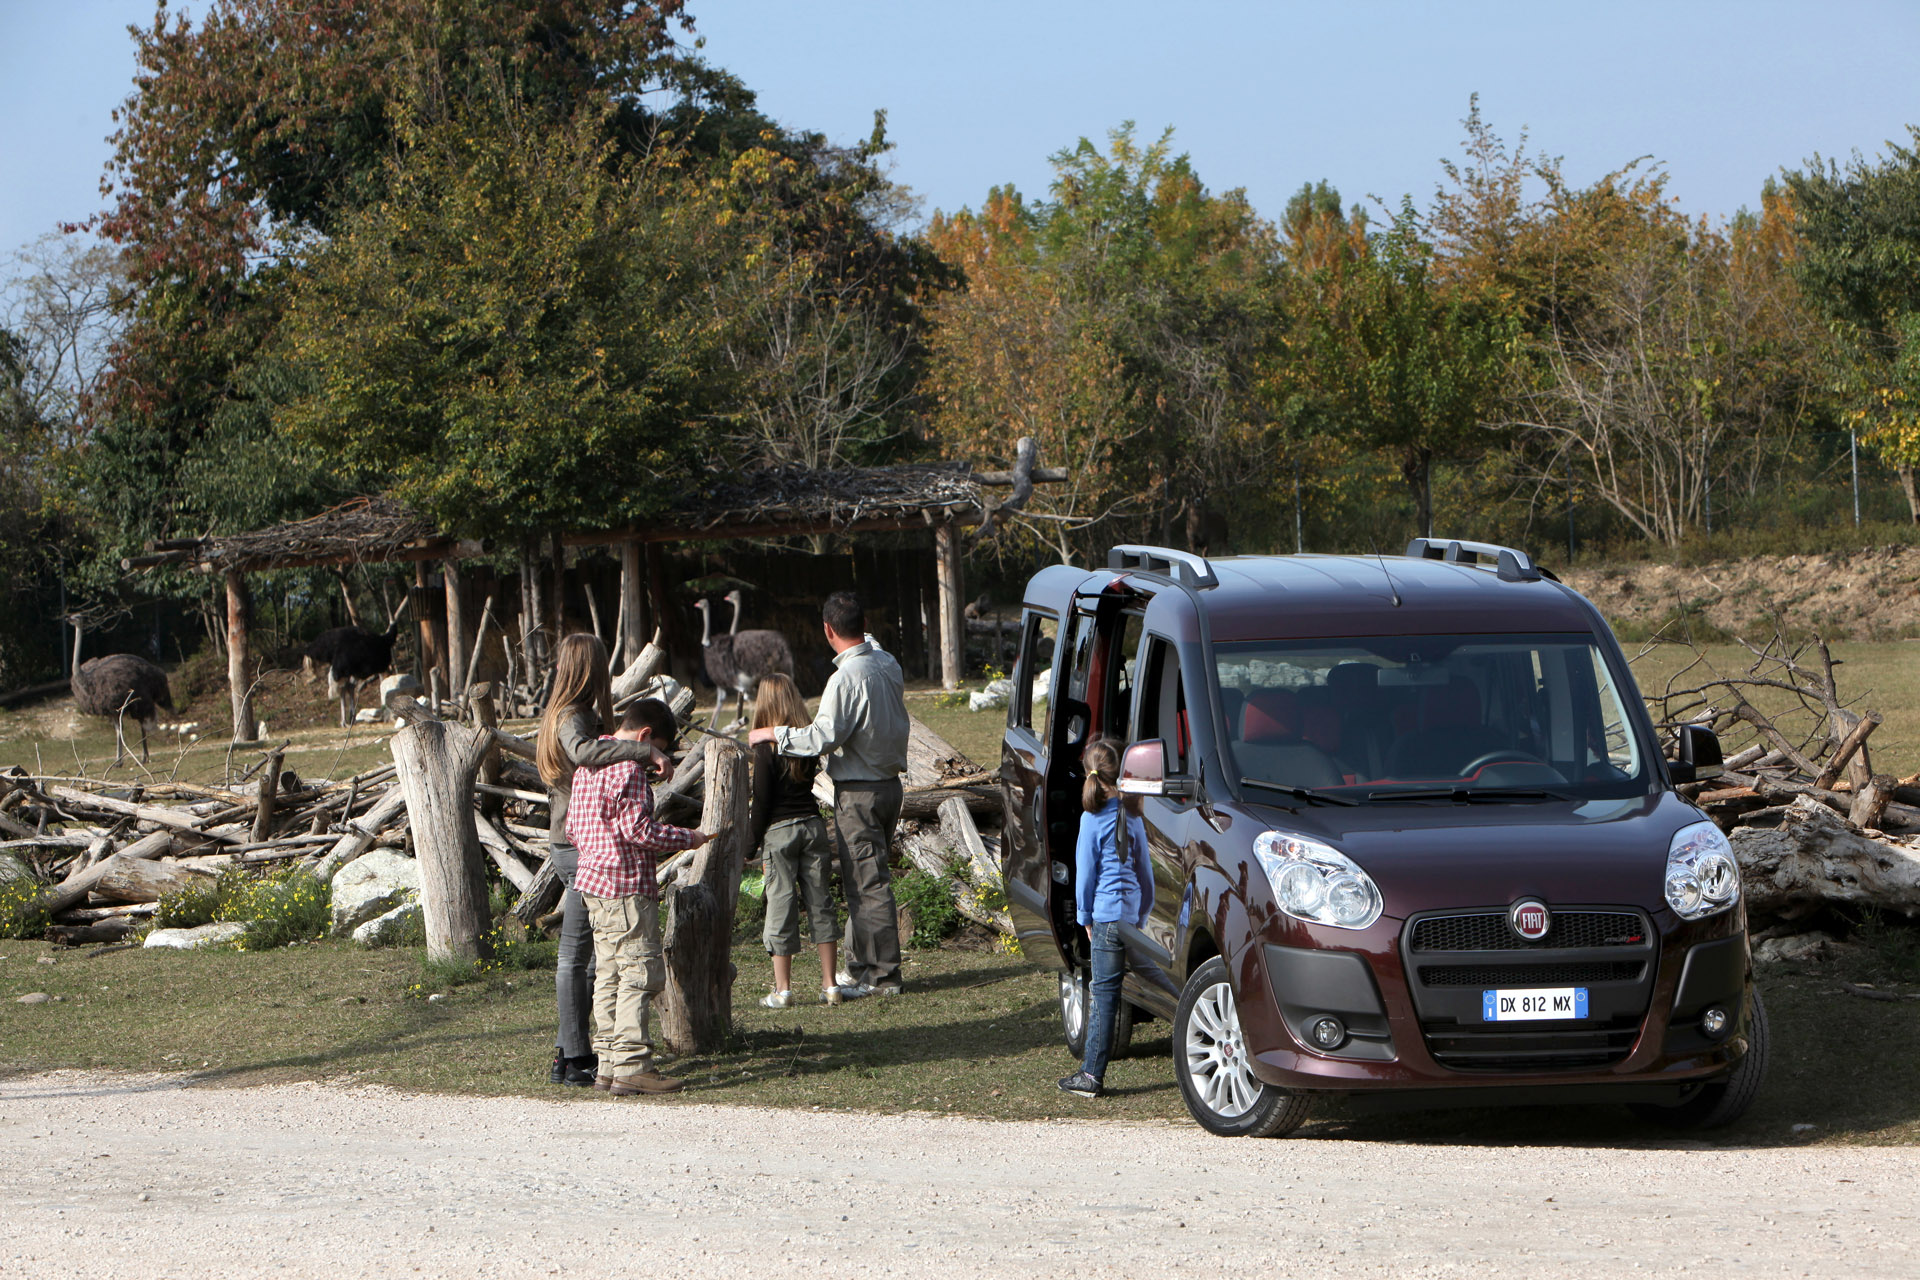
{"x":1723,"y":1101}
{"x":1076,"y":1004}
{"x":1211,"y":1062}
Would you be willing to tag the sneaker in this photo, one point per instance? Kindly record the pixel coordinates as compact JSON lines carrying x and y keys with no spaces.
{"x":884,"y":989}
{"x":830,"y":995}
{"x":850,"y":991}
{"x":843,"y":978}
{"x":778,"y":1000}
{"x":1082,"y":1085}
{"x":578,"y":1072}
{"x":645,"y":1082}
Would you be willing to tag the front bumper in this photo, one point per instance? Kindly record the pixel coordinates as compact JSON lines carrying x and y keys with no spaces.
{"x":1414,"y":1019}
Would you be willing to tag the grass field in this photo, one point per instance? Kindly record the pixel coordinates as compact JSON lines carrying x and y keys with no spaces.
{"x":977,"y":1035}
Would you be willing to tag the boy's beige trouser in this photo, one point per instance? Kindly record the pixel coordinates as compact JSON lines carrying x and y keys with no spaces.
{"x":629,"y":973}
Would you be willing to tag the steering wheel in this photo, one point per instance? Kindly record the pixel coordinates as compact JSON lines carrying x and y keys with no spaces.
{"x":1503,"y":756}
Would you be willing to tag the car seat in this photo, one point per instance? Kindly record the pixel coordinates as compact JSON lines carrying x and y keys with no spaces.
{"x":1450,"y":734}
{"x":1271,"y":746}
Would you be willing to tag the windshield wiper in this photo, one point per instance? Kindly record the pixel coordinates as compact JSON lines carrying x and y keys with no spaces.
{"x":1299,"y":793}
{"x":1469,"y":795}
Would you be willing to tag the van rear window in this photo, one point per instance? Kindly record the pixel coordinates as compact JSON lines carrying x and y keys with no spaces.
{"x":1368,"y":717}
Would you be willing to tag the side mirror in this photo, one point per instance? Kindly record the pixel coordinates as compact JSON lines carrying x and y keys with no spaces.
{"x":1700,"y":758}
{"x":1143,"y":772}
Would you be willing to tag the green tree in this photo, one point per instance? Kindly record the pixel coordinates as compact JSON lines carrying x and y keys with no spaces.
{"x":511,"y":334}
{"x":1858,"y":228}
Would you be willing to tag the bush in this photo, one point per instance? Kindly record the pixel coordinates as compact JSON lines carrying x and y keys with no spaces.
{"x":278,"y":909}
{"x":20,"y":913}
{"x":750,"y":909}
{"x":930,"y":900}
{"x":188,"y":908}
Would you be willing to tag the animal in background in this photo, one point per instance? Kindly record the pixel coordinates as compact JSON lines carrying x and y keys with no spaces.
{"x":351,"y":656}
{"x":737,"y":661}
{"x":123,"y":687}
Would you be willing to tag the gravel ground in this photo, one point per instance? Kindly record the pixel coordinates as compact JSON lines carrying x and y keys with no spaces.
{"x":144,"y":1176}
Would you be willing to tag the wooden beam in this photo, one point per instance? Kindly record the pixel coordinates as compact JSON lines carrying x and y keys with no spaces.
{"x":239,"y":685}
{"x":456,"y":624}
{"x":946,"y":543}
{"x":767,"y":529}
{"x":633,"y":610}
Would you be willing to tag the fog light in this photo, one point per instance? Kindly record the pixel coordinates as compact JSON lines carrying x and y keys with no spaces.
{"x":1714,"y":1021}
{"x":1328,"y":1033}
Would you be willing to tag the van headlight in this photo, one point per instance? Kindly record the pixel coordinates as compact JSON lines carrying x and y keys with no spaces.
{"x":1702,"y":877}
{"x":1316,"y":882}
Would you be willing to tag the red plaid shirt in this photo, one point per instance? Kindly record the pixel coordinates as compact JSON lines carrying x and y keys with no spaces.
{"x":610,"y":820}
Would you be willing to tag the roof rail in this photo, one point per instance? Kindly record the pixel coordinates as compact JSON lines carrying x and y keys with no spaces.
{"x":1509,"y":565}
{"x":1183,"y":567}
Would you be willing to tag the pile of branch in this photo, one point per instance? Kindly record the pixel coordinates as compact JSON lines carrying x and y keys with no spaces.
{"x":1809,"y":818}
{"x":107,"y":853}
{"x":842,"y":497}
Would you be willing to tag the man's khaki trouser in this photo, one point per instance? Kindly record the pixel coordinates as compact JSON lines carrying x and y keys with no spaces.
{"x":628,"y":973}
{"x":864,"y":815}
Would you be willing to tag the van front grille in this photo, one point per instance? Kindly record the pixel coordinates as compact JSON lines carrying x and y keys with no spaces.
{"x":1530,"y":975}
{"x":1489,"y":931}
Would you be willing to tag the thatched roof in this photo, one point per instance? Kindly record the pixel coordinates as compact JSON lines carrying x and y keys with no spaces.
{"x":775,"y":502}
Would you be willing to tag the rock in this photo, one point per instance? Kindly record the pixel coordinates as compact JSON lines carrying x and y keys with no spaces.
{"x":366,"y":715}
{"x":994,"y":695}
{"x":34,"y":997}
{"x":391,"y":929}
{"x":1043,"y":686}
{"x":206,"y":935}
{"x":370,"y":886}
{"x":46,"y":960}
{"x":1800,"y":948}
{"x":11,"y":868}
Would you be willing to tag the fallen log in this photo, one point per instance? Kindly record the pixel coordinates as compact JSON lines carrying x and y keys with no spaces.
{"x":145,"y":812}
{"x":82,"y":935}
{"x":540,"y":896}
{"x":1854,"y":740}
{"x":74,"y":889}
{"x":1815,"y":859}
{"x":979,"y":890}
{"x":503,"y":854}
{"x":125,"y":879}
{"x":925,"y":805}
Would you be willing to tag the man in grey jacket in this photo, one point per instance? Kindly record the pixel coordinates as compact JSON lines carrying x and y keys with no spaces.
{"x":861,"y":728}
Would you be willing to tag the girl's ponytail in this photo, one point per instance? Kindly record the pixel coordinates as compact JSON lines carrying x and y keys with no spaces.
{"x":1102,"y":760}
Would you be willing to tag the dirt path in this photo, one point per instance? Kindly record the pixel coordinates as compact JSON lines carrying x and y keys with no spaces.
{"x":140,"y":1176}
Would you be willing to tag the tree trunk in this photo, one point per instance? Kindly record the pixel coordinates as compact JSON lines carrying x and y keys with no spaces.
{"x":457,"y":641}
{"x":269,"y":792}
{"x":1907,"y":487}
{"x":437,"y":761}
{"x":530,"y":647}
{"x":696,"y":1009}
{"x":1813,"y":860}
{"x":946,"y":541}
{"x":633,"y":612}
{"x":77,"y":886}
{"x":239,"y":683}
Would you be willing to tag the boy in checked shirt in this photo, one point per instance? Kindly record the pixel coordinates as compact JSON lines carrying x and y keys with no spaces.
{"x":610,"y":820}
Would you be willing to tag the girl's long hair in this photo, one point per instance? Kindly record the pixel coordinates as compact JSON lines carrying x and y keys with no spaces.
{"x":1101,"y":757}
{"x":779,"y":703}
{"x":580,"y":681}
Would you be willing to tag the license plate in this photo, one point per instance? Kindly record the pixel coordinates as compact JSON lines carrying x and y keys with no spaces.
{"x":1528,"y":1004}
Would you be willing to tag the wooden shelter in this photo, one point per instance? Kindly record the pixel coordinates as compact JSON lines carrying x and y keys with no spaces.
{"x":941,"y":498}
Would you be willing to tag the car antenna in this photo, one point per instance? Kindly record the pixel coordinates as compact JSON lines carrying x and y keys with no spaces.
{"x":1392,"y":590}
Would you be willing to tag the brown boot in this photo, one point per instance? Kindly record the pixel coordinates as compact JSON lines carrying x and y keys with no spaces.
{"x":645,"y":1082}
{"x":603,"y":1083}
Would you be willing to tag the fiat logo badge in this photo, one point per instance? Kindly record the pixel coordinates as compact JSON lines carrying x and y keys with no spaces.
{"x":1530,"y":919}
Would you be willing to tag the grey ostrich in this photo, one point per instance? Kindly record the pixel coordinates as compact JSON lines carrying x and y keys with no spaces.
{"x":736,"y":661}
{"x":123,"y":687}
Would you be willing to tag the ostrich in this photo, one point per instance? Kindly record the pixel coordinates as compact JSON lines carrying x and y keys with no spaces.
{"x":736,"y":661}
{"x":352,"y":655}
{"x":124,"y":687}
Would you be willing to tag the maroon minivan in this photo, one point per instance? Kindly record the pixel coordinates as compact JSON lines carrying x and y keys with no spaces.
{"x":1411,"y":832}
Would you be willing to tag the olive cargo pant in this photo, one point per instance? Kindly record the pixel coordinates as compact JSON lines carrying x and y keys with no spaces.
{"x":629,"y":973}
{"x":864,"y":815}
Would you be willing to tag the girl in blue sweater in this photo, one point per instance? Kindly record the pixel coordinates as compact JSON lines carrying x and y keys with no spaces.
{"x":1113,"y":886}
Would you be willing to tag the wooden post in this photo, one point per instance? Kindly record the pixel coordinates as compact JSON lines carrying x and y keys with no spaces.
{"x":558,"y":603}
{"x":457,"y":641}
{"x":529,"y":637}
{"x":485,"y":716}
{"x":269,"y":791}
{"x":946,"y":544}
{"x":696,"y":1009}
{"x":633,"y":613}
{"x":927,"y":575}
{"x":239,"y":683}
{"x":665,"y":624}
{"x":436,"y":761}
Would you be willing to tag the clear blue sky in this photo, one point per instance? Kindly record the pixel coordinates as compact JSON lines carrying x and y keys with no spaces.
{"x":1263,"y":95}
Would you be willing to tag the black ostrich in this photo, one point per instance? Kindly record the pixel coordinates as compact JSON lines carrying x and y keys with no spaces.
{"x":736,"y":661}
{"x":123,"y":687}
{"x":350,"y":656}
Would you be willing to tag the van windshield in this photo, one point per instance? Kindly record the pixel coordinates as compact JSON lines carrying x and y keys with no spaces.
{"x":1389,"y":717}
